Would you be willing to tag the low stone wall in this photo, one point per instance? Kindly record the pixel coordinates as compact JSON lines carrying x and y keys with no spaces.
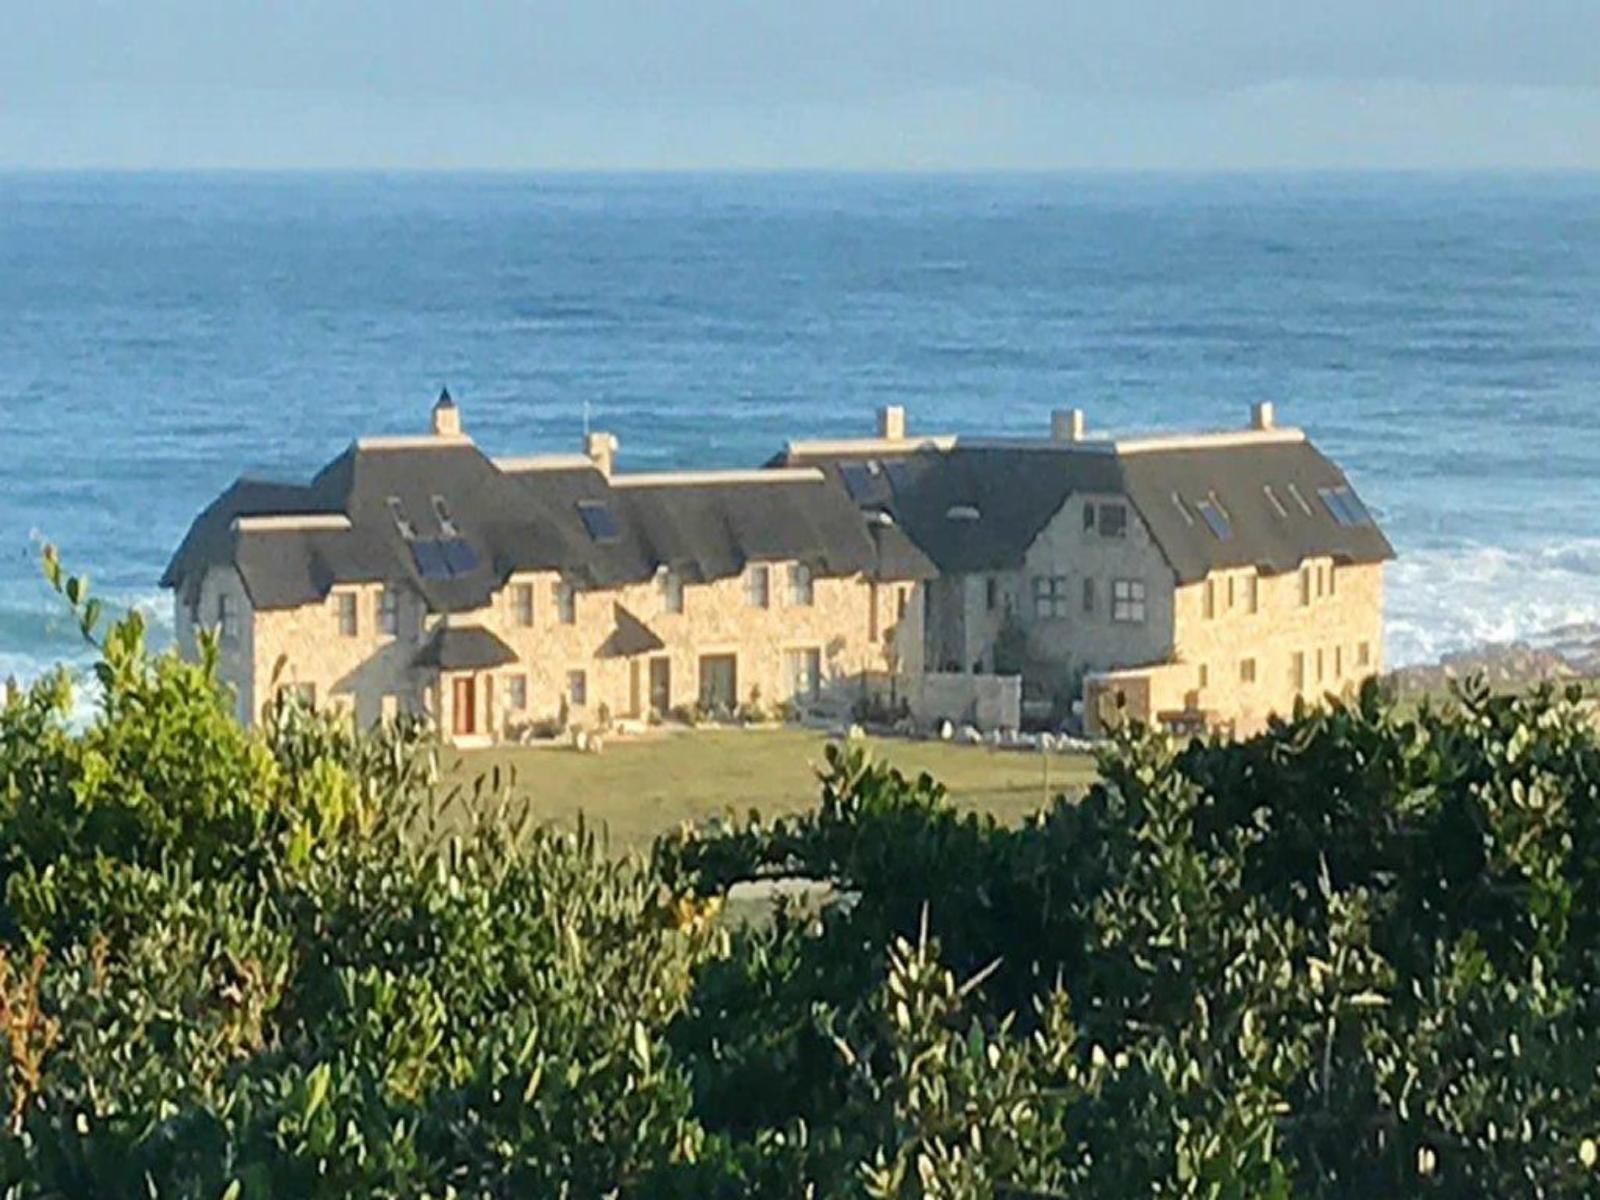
{"x":1140,"y":694}
{"x":985,"y":701}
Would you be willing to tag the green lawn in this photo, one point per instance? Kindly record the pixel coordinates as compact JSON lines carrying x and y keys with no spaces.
{"x":640,"y":788}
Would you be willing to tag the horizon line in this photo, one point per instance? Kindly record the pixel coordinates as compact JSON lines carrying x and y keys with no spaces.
{"x":803,"y":169}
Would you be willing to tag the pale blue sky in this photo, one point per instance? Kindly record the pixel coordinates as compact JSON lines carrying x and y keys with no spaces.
{"x":897,"y":84}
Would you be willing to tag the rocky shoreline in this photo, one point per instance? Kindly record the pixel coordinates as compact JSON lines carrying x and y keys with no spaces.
{"x":1571,"y":652}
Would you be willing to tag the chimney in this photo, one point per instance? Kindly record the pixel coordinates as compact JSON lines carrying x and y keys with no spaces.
{"x":602,"y":451}
{"x":892,"y":423}
{"x":1066,"y":425}
{"x":446,"y":416}
{"x":1261,"y":415}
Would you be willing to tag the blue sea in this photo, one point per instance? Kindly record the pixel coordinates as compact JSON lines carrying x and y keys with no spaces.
{"x":1439,"y":335}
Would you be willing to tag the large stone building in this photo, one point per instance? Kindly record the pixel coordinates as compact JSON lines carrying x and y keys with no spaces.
{"x":1199,"y":579}
{"x":1211,"y":579}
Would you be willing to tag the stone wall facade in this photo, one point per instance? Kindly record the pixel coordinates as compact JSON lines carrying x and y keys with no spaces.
{"x":812,"y":651}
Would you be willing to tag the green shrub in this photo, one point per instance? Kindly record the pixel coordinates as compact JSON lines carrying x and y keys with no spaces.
{"x":1352,"y":957}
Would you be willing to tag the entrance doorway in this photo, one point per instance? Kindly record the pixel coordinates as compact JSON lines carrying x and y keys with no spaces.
{"x":719,"y":682}
{"x":661,"y":685}
{"x":464,"y":695}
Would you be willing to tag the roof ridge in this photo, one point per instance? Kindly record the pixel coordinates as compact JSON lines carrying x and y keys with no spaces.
{"x":685,"y":478}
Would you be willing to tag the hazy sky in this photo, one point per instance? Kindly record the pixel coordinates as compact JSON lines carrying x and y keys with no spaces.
{"x":800,"y":83}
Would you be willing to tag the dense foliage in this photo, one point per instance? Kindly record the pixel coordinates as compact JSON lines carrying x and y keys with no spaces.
{"x":1354,"y":957}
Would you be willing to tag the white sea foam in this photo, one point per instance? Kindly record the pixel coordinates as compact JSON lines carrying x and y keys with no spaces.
{"x":1445,"y":600}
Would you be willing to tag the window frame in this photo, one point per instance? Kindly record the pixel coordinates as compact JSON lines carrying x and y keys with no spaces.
{"x":227,"y":618}
{"x":802,"y":586}
{"x":1116,"y":529}
{"x":758,"y":586}
{"x":388,"y":606}
{"x":514,"y":693}
{"x":566,"y":598}
{"x":577,"y":687}
{"x":347,"y":612}
{"x":523,"y":611}
{"x":672,"y":591}
{"x":1051,"y":598}
{"x":1130,"y":601}
{"x":808,"y":660}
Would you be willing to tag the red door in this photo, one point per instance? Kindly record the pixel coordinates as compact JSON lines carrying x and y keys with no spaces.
{"x":466,"y":706}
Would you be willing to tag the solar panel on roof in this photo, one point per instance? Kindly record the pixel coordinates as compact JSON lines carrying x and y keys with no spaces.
{"x":459,"y":556}
{"x":1216,"y":519}
{"x":599,"y":520}
{"x":857,"y":481}
{"x":430,"y":560}
{"x":1358,"y":510}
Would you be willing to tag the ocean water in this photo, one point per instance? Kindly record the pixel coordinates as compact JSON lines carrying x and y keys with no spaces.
{"x":1438,"y":335}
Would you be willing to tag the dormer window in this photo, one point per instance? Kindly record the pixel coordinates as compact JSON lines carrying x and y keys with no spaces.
{"x":1113,"y":520}
{"x":447,"y":527}
{"x":599,"y":520}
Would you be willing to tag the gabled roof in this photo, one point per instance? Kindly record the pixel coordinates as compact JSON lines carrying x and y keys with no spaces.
{"x":979,"y":506}
{"x":629,"y":637}
{"x":499,"y":520}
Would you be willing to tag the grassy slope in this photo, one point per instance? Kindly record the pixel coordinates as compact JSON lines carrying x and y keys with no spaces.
{"x":638,"y":789}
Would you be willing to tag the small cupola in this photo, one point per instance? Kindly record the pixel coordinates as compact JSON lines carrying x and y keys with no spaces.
{"x":446,"y":416}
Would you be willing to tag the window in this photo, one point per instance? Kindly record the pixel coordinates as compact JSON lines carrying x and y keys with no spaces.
{"x":447,"y":527}
{"x":1049,"y":596}
{"x":1088,"y":518}
{"x":1344,"y":506}
{"x":1127,"y":601}
{"x":389,"y":611}
{"x":1252,"y":596}
{"x":398,"y":512}
{"x":1183,"y":509}
{"x":1210,"y":599}
{"x":578,"y":688}
{"x":991,"y":593}
{"x":1299,"y":499}
{"x":1333,"y":579}
{"x":857,"y":481}
{"x":1364,"y":654}
{"x":671,"y":592}
{"x":522,"y":604}
{"x":872,"y":613}
{"x":902,"y":600}
{"x":1322,"y":580}
{"x":1319,"y":664}
{"x":757,"y":586}
{"x":1216,"y":518}
{"x":802,"y":588}
{"x":1113,"y":520}
{"x":1305,"y":586}
{"x":1272,"y":499}
{"x":566,"y":603}
{"x":805,"y":673}
{"x":349,"y":621}
{"x":1298,"y":671}
{"x":1247,"y":670}
{"x":1088,"y":594}
{"x":227,"y":618}
{"x":1230,"y":592}
{"x":1205,"y":675}
{"x":599,"y":520}
{"x":1338,"y":662}
{"x":516,"y":693}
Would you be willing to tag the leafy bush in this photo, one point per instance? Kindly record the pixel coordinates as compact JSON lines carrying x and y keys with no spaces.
{"x":1352,"y":957}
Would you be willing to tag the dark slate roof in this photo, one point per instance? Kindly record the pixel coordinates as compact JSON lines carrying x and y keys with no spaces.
{"x":519,"y":520}
{"x":630,"y":637}
{"x":1015,"y":489}
{"x":470,"y":648}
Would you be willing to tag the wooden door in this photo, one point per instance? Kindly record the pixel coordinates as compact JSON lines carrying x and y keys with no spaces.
{"x":661,"y":685}
{"x":465,"y":695}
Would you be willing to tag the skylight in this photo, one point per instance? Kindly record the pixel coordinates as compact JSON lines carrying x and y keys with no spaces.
{"x":1272,"y":499}
{"x":1216,"y":518}
{"x":899,"y":474}
{"x":430,"y":561}
{"x":447,"y":527}
{"x":1344,"y":506}
{"x":1183,"y":509}
{"x":857,"y":481}
{"x":1299,"y":499}
{"x":599,"y":520}
{"x":398,"y":512}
